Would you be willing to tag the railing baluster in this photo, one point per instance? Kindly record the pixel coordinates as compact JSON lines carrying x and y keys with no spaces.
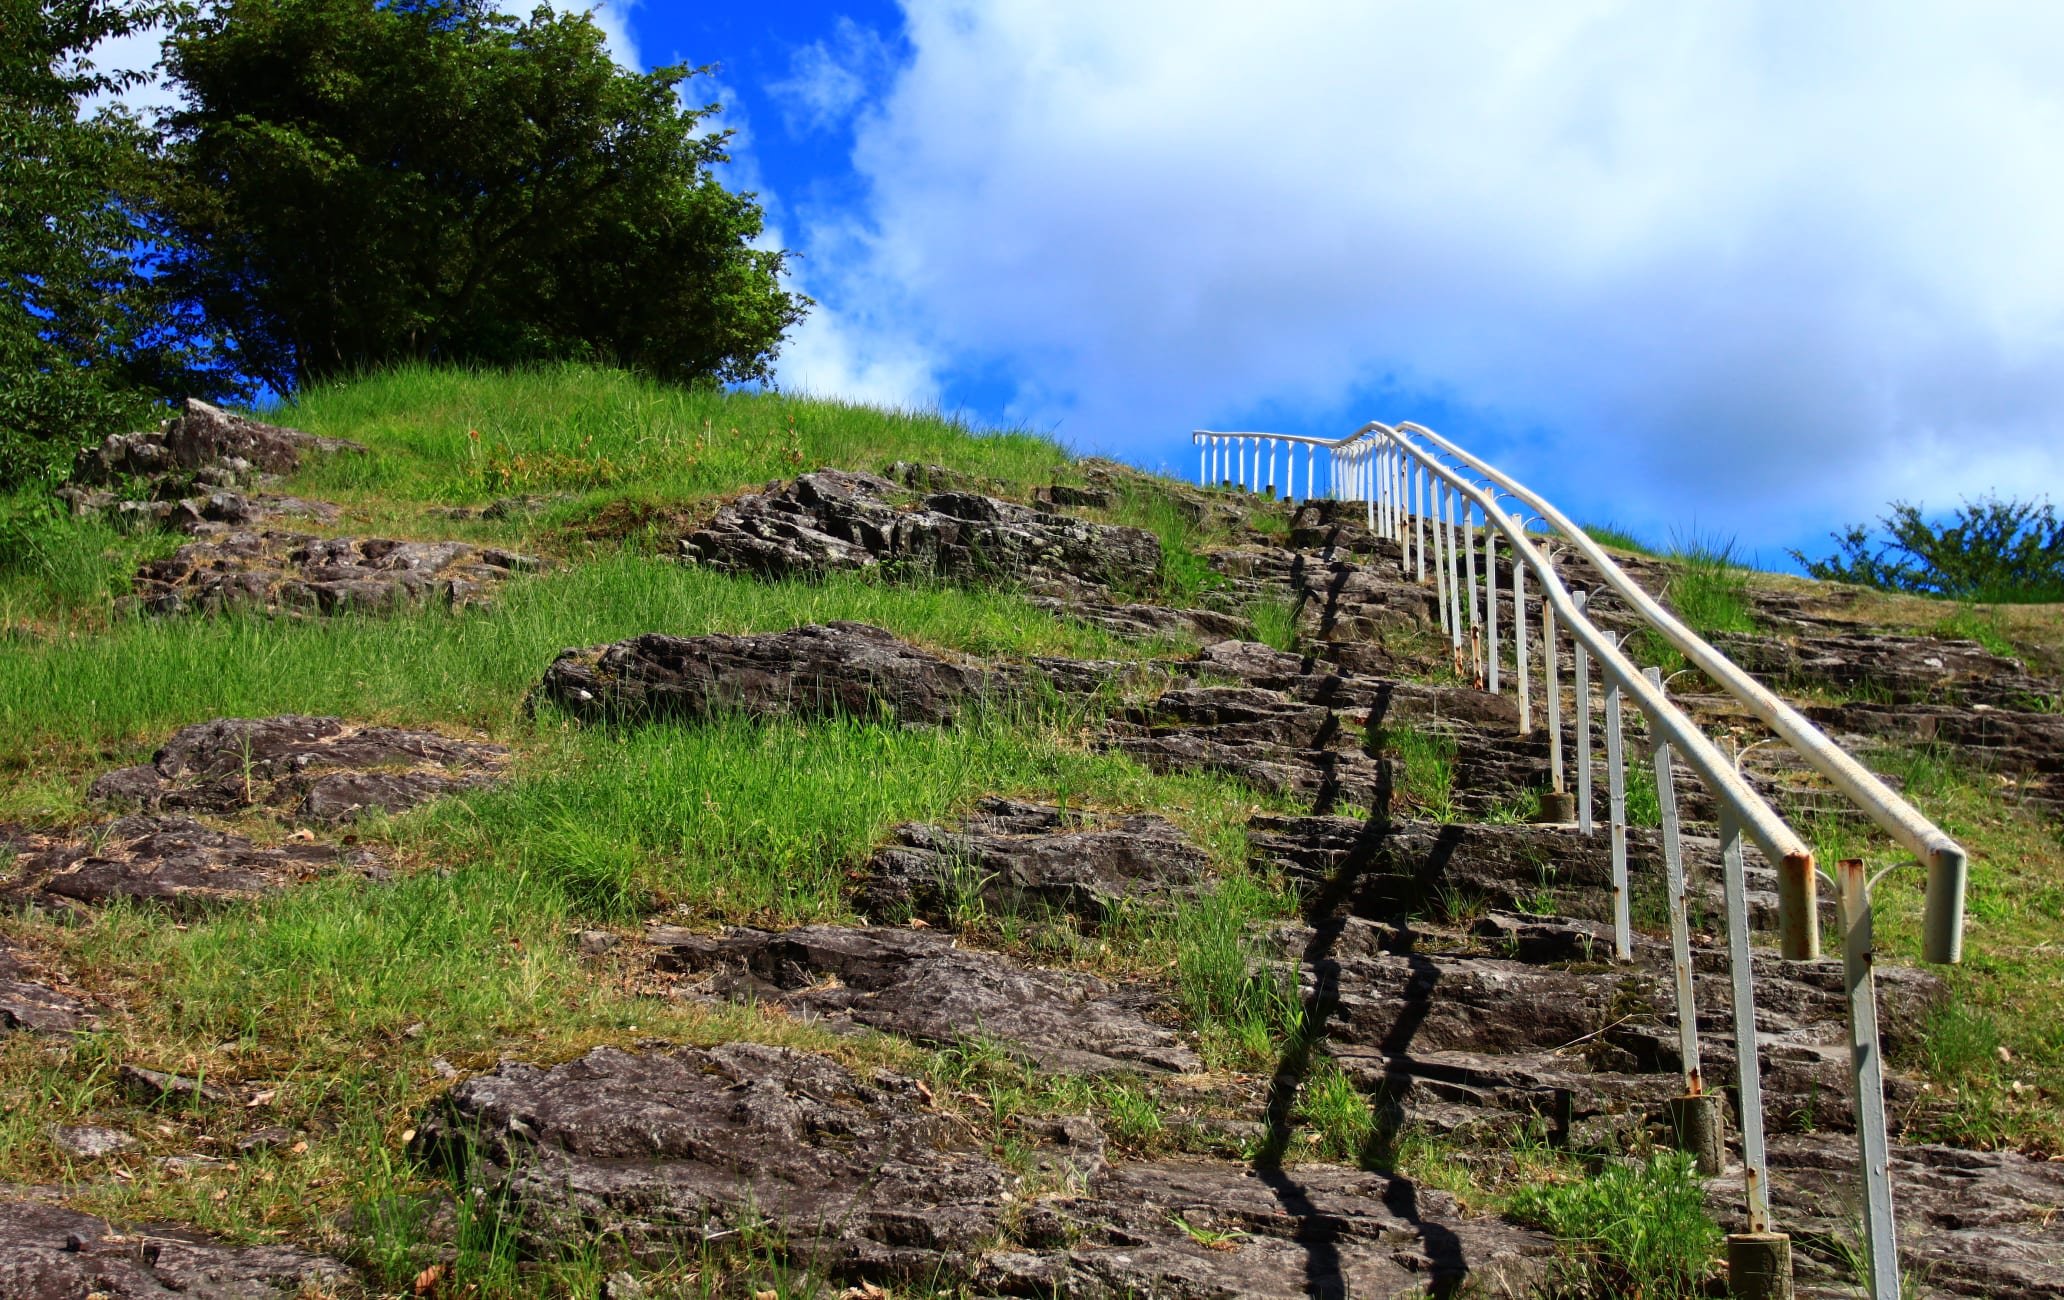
{"x":1680,"y":912}
{"x":1490,"y":551}
{"x":1551,"y":703}
{"x":1585,"y":824}
{"x":1616,"y":800}
{"x":1880,"y":1239}
{"x":1741,"y":971}
{"x":1519,"y":645}
{"x":1475,"y":611}
{"x":1440,"y":580}
{"x":1452,"y":501}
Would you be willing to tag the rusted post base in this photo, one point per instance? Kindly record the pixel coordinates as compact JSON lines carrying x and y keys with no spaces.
{"x":1696,"y":1123}
{"x":1759,"y":1266}
{"x":1557,"y":806}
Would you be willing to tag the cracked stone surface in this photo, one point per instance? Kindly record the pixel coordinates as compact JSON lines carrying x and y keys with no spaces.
{"x":172,"y":862}
{"x":28,"y":996}
{"x":933,"y":523}
{"x":1032,"y":860}
{"x":48,"y":1252}
{"x":833,"y":520}
{"x":315,"y":769}
{"x":849,"y":669}
{"x":204,"y":436}
{"x":875,"y":1184}
{"x":920,"y":985}
{"x":298,"y":573}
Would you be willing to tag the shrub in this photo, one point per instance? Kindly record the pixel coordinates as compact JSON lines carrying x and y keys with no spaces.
{"x":1994,"y":550}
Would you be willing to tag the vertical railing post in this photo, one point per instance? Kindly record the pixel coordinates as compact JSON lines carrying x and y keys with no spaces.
{"x":1880,"y":1241}
{"x":1490,"y":559}
{"x":1440,"y":572}
{"x":1369,"y":490}
{"x":1551,"y":698}
{"x":1585,"y":824}
{"x":1616,"y":810}
{"x":1454,"y":503}
{"x":1696,"y":1114}
{"x":1747,"y":1062}
{"x":1519,"y":645}
{"x":1476,"y":670}
{"x":1417,"y":474}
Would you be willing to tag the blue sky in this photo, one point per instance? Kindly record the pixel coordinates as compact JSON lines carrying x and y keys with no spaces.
{"x":1750,"y":268}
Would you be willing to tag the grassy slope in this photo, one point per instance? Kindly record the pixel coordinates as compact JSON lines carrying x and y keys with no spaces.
{"x":338,"y":997}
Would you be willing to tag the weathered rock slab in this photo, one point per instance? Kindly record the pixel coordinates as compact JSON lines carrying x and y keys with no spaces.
{"x":1302,"y":1230}
{"x":278,"y":572}
{"x":1971,"y":1223}
{"x":1034,"y":859}
{"x":821,"y":670}
{"x":320,"y":769}
{"x":168,"y":861}
{"x":921,"y":986}
{"x":48,"y":1252}
{"x":202,"y":436}
{"x":667,"y":1148}
{"x":832,"y":520}
{"x":868,"y":1179}
{"x":28,"y":1000}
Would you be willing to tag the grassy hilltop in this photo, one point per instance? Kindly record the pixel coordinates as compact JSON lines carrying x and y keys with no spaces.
{"x":357,"y":998}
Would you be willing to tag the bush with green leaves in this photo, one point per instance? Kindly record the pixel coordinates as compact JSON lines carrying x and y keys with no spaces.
{"x":1993,"y":549}
{"x":91,"y":335}
{"x":359,"y":182}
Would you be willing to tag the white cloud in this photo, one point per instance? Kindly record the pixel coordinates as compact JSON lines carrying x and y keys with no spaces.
{"x":828,"y":81}
{"x":1768,"y":265}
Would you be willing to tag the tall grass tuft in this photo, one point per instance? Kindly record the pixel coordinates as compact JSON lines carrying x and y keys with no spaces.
{"x":1638,"y":1228}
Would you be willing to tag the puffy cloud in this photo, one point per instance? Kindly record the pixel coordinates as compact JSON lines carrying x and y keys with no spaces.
{"x":1763,"y":265}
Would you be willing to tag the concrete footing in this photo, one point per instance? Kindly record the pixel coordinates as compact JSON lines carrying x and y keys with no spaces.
{"x":1697,"y":1123}
{"x":1759,"y":1266}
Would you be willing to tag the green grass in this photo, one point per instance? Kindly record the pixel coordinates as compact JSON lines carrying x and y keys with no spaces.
{"x":1709,"y":588}
{"x":1636,"y":1227}
{"x":77,"y":702}
{"x":735,"y":820}
{"x":593,"y":430}
{"x":1425,"y":769}
{"x":1615,"y":537}
{"x":1969,"y":623}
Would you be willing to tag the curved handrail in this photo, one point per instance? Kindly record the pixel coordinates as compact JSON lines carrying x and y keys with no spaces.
{"x":1414,"y":498}
{"x":1946,"y":860}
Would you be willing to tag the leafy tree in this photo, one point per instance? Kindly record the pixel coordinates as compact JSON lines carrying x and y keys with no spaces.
{"x":362,"y":181}
{"x":1990,"y":550}
{"x":90,"y":335}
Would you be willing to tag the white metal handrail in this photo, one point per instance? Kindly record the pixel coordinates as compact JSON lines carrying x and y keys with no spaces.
{"x":1412,"y":497}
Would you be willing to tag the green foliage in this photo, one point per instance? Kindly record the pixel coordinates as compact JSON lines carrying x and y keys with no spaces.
{"x":90,"y":335}
{"x":1996,"y":550}
{"x":1633,"y":1229}
{"x":359,"y":182}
